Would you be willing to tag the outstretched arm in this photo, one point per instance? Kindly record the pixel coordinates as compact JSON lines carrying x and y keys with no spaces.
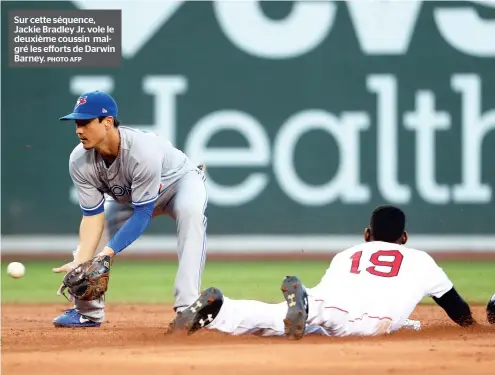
{"x":91,"y":202}
{"x":456,"y":308}
{"x":90,"y":232}
{"x":441,"y":289}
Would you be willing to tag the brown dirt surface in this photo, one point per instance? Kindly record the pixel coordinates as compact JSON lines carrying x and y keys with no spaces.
{"x":132,"y":341}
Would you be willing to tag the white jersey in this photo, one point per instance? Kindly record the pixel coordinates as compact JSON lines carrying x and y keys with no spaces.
{"x":381,"y":281}
{"x":145,"y":167}
{"x":369,"y":289}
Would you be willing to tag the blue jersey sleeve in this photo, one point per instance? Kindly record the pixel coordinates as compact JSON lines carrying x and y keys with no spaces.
{"x":133,"y":227}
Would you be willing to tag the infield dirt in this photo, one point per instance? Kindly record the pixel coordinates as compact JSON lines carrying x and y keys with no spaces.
{"x":132,"y":341}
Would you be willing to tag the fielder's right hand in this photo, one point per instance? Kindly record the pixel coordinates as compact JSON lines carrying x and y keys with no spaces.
{"x":65,"y":268}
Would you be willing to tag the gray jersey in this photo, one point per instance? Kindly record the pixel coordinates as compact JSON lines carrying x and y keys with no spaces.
{"x":146,"y":165}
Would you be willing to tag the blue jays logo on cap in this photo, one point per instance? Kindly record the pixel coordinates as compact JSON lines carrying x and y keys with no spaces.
{"x":80,"y":101}
{"x":92,"y":105}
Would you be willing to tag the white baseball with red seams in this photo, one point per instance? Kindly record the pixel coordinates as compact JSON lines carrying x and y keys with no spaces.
{"x":369,"y":289}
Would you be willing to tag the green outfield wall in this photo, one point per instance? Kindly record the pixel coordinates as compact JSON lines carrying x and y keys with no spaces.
{"x":307,"y":114}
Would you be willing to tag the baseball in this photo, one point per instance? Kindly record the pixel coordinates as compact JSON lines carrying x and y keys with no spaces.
{"x":16,"y":270}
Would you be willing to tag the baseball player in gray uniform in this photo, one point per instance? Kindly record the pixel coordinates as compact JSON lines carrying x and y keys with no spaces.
{"x":125,"y":177}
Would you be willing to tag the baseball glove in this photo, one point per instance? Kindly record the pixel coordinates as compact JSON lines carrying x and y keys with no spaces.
{"x":89,"y":280}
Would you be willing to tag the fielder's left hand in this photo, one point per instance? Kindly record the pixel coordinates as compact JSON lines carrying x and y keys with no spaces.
{"x":89,"y":280}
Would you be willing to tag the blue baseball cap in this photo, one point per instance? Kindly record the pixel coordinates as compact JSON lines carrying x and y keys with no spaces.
{"x":92,"y":105}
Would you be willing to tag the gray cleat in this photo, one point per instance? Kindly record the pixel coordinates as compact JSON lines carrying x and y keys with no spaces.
{"x":297,"y":313}
{"x":200,"y":313}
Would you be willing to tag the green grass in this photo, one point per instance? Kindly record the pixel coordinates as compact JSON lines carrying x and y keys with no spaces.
{"x":152,"y":282}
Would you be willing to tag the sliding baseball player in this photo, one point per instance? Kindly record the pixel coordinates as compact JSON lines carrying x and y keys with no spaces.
{"x":369,"y":289}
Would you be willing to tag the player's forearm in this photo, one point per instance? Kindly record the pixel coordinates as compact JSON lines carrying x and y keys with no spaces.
{"x":456,"y":308}
{"x":90,"y":232}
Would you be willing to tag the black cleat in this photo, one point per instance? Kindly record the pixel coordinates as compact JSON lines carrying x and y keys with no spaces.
{"x":490,"y":310}
{"x":200,"y":313}
{"x":297,"y":313}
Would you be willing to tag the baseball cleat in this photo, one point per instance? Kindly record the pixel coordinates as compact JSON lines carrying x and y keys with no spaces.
{"x":490,"y":310}
{"x":200,"y":313}
{"x":297,"y":313}
{"x":72,"y":319}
